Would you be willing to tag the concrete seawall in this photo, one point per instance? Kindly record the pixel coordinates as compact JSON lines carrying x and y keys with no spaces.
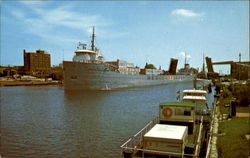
{"x":28,"y":83}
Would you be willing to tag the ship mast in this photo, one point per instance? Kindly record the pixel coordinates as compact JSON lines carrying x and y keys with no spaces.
{"x":185,"y":59}
{"x":203,"y":66}
{"x":240,"y":57}
{"x":93,"y":40}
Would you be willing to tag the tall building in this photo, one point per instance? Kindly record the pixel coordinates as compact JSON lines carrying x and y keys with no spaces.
{"x":37,"y":63}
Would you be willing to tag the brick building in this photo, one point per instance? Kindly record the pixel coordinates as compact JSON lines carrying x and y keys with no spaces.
{"x":37,"y":63}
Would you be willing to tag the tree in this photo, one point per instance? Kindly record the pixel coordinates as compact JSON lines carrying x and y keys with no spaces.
{"x":149,"y":66}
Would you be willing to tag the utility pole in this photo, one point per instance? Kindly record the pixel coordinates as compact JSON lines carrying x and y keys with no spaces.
{"x":185,"y":58}
{"x":239,"y":66}
{"x":203,"y":66}
{"x":63,"y":54}
{"x":93,"y":40}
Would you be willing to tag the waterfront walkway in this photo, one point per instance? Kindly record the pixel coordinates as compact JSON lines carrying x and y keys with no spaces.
{"x":241,"y":114}
{"x":215,"y":127}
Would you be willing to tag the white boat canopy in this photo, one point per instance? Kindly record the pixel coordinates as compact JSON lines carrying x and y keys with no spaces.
{"x":193,"y":91}
{"x":193,"y":98}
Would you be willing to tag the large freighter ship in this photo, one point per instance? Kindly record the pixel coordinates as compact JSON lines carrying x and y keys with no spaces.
{"x":88,"y":70}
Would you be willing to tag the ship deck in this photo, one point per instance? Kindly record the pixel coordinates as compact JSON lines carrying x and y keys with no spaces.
{"x":134,"y":146}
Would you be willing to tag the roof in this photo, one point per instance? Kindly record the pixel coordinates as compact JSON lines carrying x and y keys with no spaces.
{"x":195,"y":91}
{"x":194,"y":98}
{"x":85,"y":51}
{"x":178,"y":104}
{"x":163,"y":131}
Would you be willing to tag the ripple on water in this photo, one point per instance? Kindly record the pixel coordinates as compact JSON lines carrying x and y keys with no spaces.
{"x":50,"y":122}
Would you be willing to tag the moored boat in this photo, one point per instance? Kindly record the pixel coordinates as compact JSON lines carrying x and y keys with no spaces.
{"x":178,"y":131}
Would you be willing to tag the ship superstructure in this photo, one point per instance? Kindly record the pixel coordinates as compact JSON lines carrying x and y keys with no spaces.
{"x":84,"y":55}
{"x":88,"y":70}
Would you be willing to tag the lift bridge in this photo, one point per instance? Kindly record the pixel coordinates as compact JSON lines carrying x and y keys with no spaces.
{"x":238,"y":70}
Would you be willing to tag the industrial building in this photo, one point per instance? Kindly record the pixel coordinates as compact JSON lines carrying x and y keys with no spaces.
{"x":37,"y":63}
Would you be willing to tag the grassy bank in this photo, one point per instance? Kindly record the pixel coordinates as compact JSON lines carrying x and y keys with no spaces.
{"x":232,"y":141}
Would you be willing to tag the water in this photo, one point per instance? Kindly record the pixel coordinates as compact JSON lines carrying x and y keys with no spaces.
{"x":46,"y":121}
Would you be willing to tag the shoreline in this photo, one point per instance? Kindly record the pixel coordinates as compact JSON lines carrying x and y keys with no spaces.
{"x":28,"y":83}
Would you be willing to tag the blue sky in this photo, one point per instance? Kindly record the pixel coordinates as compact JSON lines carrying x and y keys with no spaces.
{"x":136,"y":31}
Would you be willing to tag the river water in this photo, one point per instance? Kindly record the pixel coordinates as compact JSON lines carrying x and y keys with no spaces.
{"x":46,"y":121}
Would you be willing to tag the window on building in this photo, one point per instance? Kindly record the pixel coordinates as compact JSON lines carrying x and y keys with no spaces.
{"x":178,"y":111}
{"x":187,"y":112}
{"x":73,"y":77}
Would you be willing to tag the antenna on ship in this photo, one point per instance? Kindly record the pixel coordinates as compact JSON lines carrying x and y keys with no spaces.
{"x":93,"y":40}
{"x":203,"y":66}
{"x":185,"y":63}
{"x":63,"y":54}
{"x":185,"y":58}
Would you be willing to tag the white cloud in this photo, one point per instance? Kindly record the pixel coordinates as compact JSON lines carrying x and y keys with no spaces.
{"x":32,"y":3}
{"x":50,"y":24}
{"x":185,"y":13}
{"x":183,"y":55}
{"x":66,"y":16}
{"x":17,"y":13}
{"x":144,"y":3}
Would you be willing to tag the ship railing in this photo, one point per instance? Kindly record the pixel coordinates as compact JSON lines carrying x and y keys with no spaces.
{"x":199,"y":143}
{"x":135,"y":142}
{"x":174,"y":154}
{"x":142,"y":151}
{"x":111,"y":67}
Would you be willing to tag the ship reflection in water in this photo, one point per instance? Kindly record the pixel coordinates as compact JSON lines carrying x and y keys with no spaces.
{"x":50,"y":122}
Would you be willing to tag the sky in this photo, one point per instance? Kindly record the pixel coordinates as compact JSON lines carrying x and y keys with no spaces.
{"x":135,"y":31}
